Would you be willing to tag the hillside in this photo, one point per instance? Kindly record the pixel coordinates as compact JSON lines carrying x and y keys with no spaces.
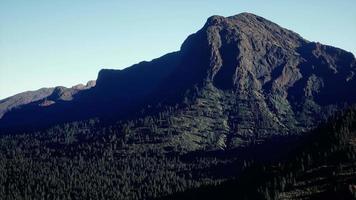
{"x":239,"y":102}
{"x":267,"y":79}
{"x":41,"y":97}
{"x":322,"y":166}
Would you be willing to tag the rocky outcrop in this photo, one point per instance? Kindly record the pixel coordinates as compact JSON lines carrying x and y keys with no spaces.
{"x":61,"y":93}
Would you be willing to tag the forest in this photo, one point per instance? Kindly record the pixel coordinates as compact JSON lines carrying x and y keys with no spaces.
{"x":133,"y":160}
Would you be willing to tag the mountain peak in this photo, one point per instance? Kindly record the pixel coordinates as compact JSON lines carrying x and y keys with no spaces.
{"x":253,"y":26}
{"x":245,"y":17}
{"x":214,"y":20}
{"x":267,"y":69}
{"x":248,"y":17}
{"x":240,"y":51}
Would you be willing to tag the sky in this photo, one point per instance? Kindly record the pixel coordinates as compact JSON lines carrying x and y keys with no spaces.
{"x":46,"y":43}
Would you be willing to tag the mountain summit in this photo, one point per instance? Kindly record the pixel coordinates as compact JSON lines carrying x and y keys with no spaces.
{"x":244,"y":75}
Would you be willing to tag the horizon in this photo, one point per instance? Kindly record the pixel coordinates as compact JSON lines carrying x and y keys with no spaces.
{"x":64,"y":43}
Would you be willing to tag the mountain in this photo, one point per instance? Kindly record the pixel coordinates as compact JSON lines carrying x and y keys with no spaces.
{"x":116,"y":92}
{"x":22,"y":99}
{"x":61,"y":93}
{"x":236,"y":108}
{"x":25,"y":98}
{"x":269,"y":80}
{"x":259,"y":78}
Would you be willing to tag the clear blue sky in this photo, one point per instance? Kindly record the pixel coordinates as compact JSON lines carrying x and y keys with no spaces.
{"x":45,"y":43}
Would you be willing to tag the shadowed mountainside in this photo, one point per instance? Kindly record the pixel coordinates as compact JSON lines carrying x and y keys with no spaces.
{"x":246,"y":75}
{"x":52,"y":94}
{"x":23,"y":98}
{"x":237,"y":101}
{"x":322,"y":166}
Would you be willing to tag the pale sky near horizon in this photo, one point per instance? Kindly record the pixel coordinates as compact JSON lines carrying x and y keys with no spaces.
{"x":46,"y":43}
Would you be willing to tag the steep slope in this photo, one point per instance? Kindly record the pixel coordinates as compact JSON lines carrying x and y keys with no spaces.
{"x":85,"y":160}
{"x":243,"y":74}
{"x":244,"y":79}
{"x":323,"y":166}
{"x":242,"y":91}
{"x":280,"y":82}
{"x":116,"y":93}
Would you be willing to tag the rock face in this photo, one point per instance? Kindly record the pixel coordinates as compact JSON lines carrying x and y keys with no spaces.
{"x":255,"y":80}
{"x":241,"y":78}
{"x":61,"y":93}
